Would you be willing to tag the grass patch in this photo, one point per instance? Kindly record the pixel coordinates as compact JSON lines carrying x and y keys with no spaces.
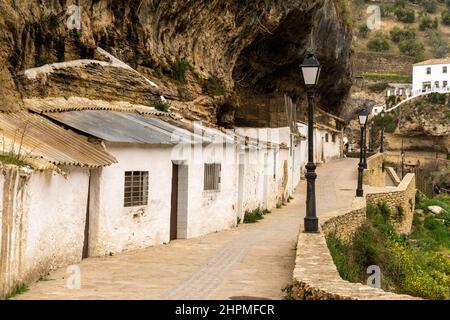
{"x":11,"y":159}
{"x":407,"y":265}
{"x":255,"y":215}
{"x":180,"y":68}
{"x":162,"y":106}
{"x":378,"y":87}
{"x":18,"y":289}
{"x":214,"y":86}
{"x":288,"y":292}
{"x":387,"y":77}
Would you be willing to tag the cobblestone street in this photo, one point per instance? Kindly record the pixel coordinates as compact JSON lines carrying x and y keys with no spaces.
{"x":250,"y":261}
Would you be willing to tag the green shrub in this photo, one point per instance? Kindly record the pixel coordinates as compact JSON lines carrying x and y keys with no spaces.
{"x":253,"y":216}
{"x":439,"y":43}
{"x":429,"y":6}
{"x":378,"y":43}
{"x":390,"y":122}
{"x":18,"y":289}
{"x":411,"y":47}
{"x":426,"y":22}
{"x":214,"y":86}
{"x":400,"y":3}
{"x":405,"y":15}
{"x":398,"y":34}
{"x":363,"y":30}
{"x":406,"y":268}
{"x":446,"y":17}
{"x":162,"y":106}
{"x":386,"y":9}
{"x":447,"y":3}
{"x":179,"y":69}
{"x":378,"y":87}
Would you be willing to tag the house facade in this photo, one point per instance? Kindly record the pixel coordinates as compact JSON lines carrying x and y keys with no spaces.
{"x":429,"y":74}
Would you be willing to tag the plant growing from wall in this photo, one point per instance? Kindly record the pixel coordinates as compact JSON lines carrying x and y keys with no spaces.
{"x":162,"y":106}
{"x":253,"y":216}
{"x":214,"y":86}
{"x":179,"y":69}
{"x":15,"y":155}
{"x":18,"y":289}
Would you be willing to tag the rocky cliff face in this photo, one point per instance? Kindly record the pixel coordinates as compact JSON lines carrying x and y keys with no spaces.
{"x":203,"y":55}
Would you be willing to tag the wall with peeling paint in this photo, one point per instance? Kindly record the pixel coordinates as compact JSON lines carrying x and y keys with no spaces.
{"x":43,"y":219}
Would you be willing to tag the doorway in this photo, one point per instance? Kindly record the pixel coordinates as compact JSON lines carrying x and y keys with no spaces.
{"x":85,"y":253}
{"x":174,"y":203}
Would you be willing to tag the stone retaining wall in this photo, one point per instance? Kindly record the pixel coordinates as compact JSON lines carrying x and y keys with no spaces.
{"x":315,"y":274}
{"x":345,"y":222}
{"x":374,"y":175}
{"x":401,"y":202}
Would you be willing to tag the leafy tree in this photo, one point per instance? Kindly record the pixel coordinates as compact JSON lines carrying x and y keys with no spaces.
{"x":399,"y":3}
{"x":411,"y":47}
{"x":386,"y":9}
{"x":426,"y":22}
{"x":363,"y":30}
{"x":447,"y":3}
{"x":429,"y":6}
{"x":378,"y":43}
{"x":398,"y":34}
{"x":446,"y":17}
{"x":439,"y":43}
{"x":405,"y":15}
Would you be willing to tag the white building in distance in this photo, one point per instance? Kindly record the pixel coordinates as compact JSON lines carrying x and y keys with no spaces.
{"x":429,"y":74}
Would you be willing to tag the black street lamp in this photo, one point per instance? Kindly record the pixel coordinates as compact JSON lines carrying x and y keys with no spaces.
{"x":402,"y":154}
{"x":364,"y":146}
{"x":383,"y":113}
{"x":363,"y":115}
{"x":372,"y":142}
{"x":310,"y":70}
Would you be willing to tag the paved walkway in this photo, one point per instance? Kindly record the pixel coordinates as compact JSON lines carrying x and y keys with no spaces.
{"x":250,"y":261}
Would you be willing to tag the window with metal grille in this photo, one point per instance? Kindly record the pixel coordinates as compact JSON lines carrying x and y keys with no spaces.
{"x":428,"y":70}
{"x":136,"y":188}
{"x":326,"y":137}
{"x":333,"y":137}
{"x":444,"y":69}
{"x":211,"y":180}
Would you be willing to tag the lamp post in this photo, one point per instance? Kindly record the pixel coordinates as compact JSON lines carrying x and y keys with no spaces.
{"x":310,"y":70}
{"x":383,"y":113}
{"x":372,"y":142}
{"x":364,"y":146}
{"x":362,"y":122}
{"x":402,"y":154}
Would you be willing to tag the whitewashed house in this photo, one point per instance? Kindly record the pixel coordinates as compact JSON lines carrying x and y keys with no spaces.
{"x":429,"y":74}
{"x":44,"y":201}
{"x":109,"y":177}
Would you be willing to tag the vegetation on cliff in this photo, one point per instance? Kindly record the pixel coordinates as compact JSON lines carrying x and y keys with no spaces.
{"x":412,"y":28}
{"x":417,"y":264}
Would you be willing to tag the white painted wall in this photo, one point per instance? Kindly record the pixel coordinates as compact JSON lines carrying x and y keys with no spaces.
{"x":54,"y":219}
{"x":420,"y":75}
{"x":48,"y":229}
{"x":115,"y":228}
{"x":210,"y":211}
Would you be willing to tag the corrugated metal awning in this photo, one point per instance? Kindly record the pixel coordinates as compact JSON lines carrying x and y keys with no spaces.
{"x":36,"y":137}
{"x":113,"y":126}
